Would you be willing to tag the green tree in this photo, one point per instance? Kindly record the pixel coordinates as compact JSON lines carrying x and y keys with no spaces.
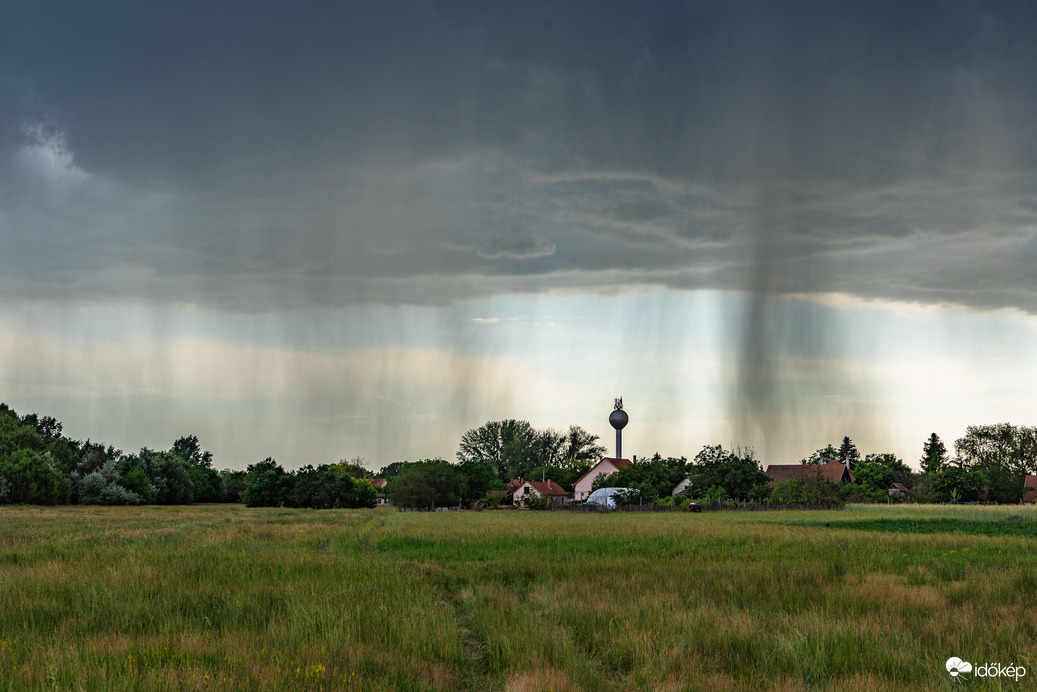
{"x":362,"y":494}
{"x":317,"y":488}
{"x":957,"y":484}
{"x":188,"y":449}
{"x":426,"y":484}
{"x":823,"y":456}
{"x":737,"y":472}
{"x":29,"y":477}
{"x":233,"y":483}
{"x":353,"y":467}
{"x":655,"y":478}
{"x":47,"y":427}
{"x":170,"y":480}
{"x":94,"y":455}
{"x":477,"y":478}
{"x":1003,"y":453}
{"x":392,"y":470}
{"x":559,"y":474}
{"x":513,"y":448}
{"x":65,"y":453}
{"x":15,"y":435}
{"x":267,"y":485}
{"x":934,"y":455}
{"x":134,"y":476}
{"x":580,"y":451}
{"x":206,"y":484}
{"x":848,"y":452}
{"x":880,"y":471}
{"x":504,"y":445}
{"x":328,"y":486}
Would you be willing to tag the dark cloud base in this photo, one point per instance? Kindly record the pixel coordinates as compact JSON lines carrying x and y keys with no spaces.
{"x":259,"y":158}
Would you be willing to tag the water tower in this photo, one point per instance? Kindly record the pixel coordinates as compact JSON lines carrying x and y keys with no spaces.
{"x":618,"y":419}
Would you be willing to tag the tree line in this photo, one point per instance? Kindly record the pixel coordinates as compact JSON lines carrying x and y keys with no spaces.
{"x":39,"y":465}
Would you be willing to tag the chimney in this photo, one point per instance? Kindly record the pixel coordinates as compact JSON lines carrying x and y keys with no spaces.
{"x":635,"y":458}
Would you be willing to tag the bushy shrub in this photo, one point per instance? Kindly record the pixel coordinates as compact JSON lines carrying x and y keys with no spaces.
{"x":813,"y":491}
{"x":136,"y":481}
{"x":89,"y":487}
{"x":716,"y":494}
{"x":102,"y":487}
{"x":855,"y":492}
{"x":115,"y":494}
{"x":535,"y":501}
{"x":624,"y":498}
{"x":32,"y":478}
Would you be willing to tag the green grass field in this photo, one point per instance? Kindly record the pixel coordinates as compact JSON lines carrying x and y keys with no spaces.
{"x":223,"y":597}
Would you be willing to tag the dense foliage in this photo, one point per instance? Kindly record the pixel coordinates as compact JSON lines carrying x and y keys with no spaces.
{"x":812,"y":490}
{"x":654,"y":478}
{"x":737,"y":475}
{"x":879,"y":471}
{"x":40,"y":466}
{"x":438,"y":483}
{"x":326,"y":486}
{"x":513,"y":448}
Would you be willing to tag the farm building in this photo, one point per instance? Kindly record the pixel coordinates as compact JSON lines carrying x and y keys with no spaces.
{"x":558,"y":495}
{"x":834,"y":471}
{"x":900,"y":491}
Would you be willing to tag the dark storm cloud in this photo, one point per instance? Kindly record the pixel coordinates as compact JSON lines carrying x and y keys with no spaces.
{"x":260,"y":156}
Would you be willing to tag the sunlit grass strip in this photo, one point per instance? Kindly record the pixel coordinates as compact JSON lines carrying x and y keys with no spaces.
{"x":228,"y":598}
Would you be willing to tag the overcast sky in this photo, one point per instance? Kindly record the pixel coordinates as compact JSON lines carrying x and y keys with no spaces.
{"x":312,"y":231}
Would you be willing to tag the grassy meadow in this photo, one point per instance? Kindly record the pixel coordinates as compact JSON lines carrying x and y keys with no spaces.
{"x":223,"y":597}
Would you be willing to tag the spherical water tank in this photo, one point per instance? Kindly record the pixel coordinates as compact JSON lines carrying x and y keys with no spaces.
{"x":618,"y":419}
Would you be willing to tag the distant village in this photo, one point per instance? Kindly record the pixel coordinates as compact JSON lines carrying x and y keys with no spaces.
{"x":509,"y":464}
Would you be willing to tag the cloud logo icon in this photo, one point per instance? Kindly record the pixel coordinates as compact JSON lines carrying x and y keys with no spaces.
{"x":955,"y":665}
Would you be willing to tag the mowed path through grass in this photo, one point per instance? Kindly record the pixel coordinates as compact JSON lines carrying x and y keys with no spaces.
{"x":223,"y":597}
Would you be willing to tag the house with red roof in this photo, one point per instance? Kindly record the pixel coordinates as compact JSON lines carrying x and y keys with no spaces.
{"x":582,"y":487}
{"x":379,"y":485}
{"x":556,"y":494}
{"x":508,"y":494}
